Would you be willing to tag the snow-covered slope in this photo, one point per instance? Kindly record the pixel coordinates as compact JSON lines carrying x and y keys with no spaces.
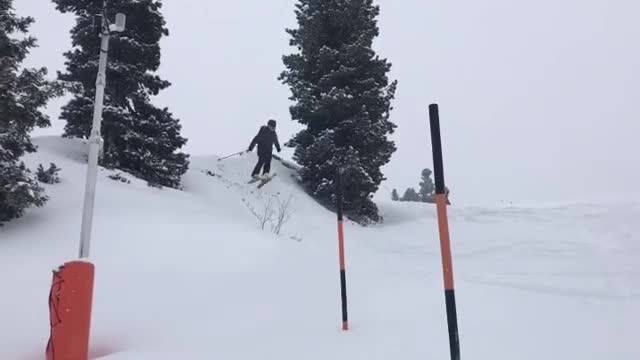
{"x":190,"y":275}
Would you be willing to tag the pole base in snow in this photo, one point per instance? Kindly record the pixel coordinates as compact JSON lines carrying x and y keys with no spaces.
{"x":70,"y":303}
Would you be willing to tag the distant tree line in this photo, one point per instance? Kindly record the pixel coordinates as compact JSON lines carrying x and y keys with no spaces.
{"x":425,"y":193}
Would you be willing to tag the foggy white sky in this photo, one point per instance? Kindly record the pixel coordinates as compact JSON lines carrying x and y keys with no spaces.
{"x":539,"y":100}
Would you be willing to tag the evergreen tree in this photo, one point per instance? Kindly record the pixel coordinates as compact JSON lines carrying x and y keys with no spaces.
{"x":22,"y":93}
{"x":394,"y":195}
{"x":427,"y":187}
{"x":138,"y":137}
{"x":410,"y":195}
{"x":342,"y":96}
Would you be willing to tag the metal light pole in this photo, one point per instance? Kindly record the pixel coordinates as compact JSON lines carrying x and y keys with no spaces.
{"x":95,"y":141}
{"x":71,"y":294}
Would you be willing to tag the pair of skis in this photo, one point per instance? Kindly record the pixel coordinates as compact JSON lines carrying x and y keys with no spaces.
{"x":263,"y":180}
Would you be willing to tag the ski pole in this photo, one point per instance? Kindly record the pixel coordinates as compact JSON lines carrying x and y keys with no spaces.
{"x":226,"y":157}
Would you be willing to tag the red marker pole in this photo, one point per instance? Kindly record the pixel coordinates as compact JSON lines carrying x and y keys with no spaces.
{"x":343,"y":276}
{"x":443,"y":226}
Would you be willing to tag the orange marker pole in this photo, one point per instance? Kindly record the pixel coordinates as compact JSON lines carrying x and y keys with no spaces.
{"x":343,"y":276}
{"x":443,"y":226}
{"x":70,"y":302}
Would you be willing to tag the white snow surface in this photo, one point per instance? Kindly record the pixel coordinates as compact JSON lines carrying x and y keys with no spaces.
{"x":190,"y":275}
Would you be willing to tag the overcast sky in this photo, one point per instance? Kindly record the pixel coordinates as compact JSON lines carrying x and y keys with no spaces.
{"x":539,"y":100}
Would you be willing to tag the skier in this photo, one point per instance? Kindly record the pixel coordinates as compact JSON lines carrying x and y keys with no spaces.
{"x":265,"y":140}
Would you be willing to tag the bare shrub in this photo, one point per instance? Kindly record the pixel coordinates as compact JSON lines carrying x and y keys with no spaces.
{"x":264,"y":215}
{"x":283,"y":216}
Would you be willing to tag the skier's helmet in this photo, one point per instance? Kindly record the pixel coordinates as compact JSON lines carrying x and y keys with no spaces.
{"x":271,"y":123}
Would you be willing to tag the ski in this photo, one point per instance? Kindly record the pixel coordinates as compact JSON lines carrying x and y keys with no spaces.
{"x":266,"y":180}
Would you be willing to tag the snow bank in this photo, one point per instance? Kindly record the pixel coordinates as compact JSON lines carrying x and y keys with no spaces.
{"x":190,"y":275}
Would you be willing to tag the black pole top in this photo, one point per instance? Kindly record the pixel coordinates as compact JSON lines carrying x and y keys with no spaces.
{"x":436,"y":144}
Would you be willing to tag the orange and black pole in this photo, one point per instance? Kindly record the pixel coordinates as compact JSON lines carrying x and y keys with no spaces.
{"x":443,"y":226}
{"x":343,"y":275}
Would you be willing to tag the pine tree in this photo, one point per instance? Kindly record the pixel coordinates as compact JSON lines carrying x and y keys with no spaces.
{"x":410,"y":195}
{"x":22,"y":93}
{"x":394,"y":195}
{"x":138,"y":137}
{"x":427,"y":187}
{"x":342,"y":96}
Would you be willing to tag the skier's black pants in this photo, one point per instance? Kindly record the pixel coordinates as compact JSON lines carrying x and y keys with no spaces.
{"x":264,"y":163}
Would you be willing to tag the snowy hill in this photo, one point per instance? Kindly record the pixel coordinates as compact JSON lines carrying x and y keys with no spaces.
{"x":190,"y":275}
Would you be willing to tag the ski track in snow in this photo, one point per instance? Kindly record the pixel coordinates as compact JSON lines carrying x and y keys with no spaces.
{"x":189,"y":274}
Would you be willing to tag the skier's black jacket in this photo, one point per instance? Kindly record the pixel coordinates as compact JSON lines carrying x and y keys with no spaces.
{"x":265,"y":140}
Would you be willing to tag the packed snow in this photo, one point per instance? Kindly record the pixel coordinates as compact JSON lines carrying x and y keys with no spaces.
{"x":190,"y":274}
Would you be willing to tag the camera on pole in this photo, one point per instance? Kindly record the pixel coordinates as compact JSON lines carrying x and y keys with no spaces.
{"x":99,"y":24}
{"x":120,"y":23}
